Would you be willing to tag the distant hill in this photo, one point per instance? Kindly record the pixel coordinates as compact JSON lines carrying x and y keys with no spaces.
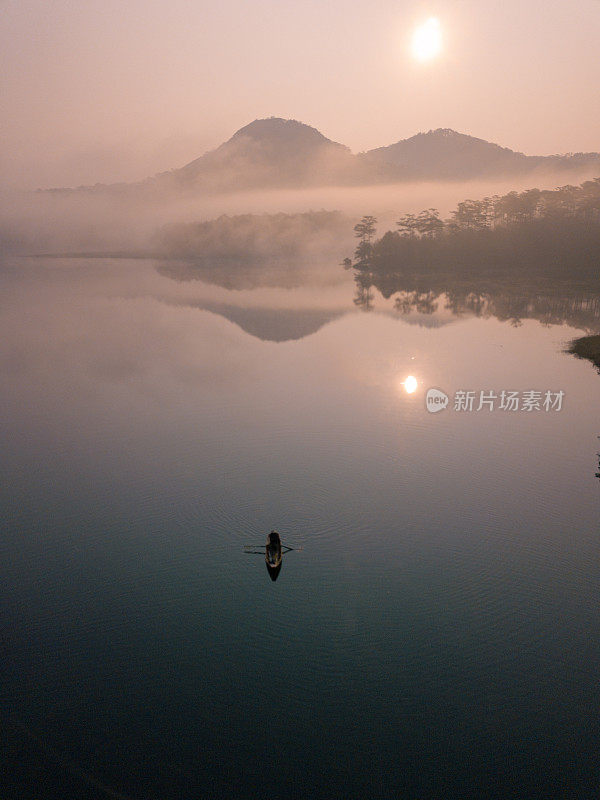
{"x":272,"y":153}
{"x":446,"y":154}
{"x":285,"y":153}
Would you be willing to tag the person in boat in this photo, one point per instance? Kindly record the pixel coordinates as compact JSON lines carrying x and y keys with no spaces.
{"x":273,"y":551}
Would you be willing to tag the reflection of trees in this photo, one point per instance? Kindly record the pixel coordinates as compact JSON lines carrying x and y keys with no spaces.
{"x":508,"y":304}
{"x":363,"y":262}
{"x":363,"y":296}
{"x":422,"y":302}
{"x":507,"y":300}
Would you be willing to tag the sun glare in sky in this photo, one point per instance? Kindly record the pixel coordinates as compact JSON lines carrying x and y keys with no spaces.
{"x":427,"y":40}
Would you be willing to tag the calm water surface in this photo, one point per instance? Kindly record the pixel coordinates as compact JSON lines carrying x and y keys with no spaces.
{"x":437,"y":635}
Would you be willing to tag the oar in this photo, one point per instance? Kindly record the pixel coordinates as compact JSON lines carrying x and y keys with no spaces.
{"x":284,"y":547}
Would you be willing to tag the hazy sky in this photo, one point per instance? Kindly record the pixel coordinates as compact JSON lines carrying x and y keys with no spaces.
{"x":117,"y":90}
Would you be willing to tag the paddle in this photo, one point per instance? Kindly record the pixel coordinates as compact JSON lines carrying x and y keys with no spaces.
{"x":284,"y":548}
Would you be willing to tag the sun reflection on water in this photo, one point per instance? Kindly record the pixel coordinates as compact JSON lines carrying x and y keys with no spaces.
{"x":410,"y":384}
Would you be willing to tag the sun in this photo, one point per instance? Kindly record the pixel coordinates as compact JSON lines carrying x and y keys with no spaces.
{"x":427,"y":40}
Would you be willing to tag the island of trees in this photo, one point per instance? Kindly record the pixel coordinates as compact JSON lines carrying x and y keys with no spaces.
{"x":532,"y":237}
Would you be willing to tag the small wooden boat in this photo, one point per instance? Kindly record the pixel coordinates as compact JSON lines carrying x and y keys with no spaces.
{"x":273,"y":553}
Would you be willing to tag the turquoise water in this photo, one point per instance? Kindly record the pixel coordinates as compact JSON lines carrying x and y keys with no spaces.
{"x":436,"y":636}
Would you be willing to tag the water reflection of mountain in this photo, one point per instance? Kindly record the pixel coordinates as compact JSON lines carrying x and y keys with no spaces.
{"x":272,"y":324}
{"x":284,"y":324}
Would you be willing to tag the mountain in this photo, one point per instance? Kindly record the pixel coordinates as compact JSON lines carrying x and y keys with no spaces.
{"x":284,"y":153}
{"x":445,"y":154}
{"x":271,"y":153}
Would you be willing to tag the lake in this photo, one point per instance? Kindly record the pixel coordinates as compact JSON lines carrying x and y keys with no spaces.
{"x":436,"y":636}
